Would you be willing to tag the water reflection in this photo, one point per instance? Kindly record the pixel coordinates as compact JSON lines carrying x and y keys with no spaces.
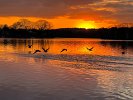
{"x":73,"y":46}
{"x":125,"y":47}
{"x":76,"y":74}
{"x":99,"y":54}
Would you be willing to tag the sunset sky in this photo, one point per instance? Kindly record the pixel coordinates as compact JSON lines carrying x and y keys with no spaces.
{"x":68,"y":13}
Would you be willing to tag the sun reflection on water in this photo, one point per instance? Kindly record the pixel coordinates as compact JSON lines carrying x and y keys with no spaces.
{"x":100,"y":72}
{"x":73,"y":46}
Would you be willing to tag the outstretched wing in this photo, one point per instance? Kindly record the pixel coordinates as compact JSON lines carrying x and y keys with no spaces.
{"x":87,"y":48}
{"x":35,"y":52}
{"x":90,"y":49}
{"x":47,"y":49}
{"x":64,"y":50}
{"x":43,"y":49}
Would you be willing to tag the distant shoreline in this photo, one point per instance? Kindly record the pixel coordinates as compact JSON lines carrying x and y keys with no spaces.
{"x":113,"y":33}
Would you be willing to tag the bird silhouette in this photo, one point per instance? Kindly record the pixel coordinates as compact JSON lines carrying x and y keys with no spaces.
{"x":36,"y":51}
{"x":45,"y":50}
{"x":30,"y":46}
{"x":90,"y":49}
{"x":123,"y":52}
{"x":64,"y":50}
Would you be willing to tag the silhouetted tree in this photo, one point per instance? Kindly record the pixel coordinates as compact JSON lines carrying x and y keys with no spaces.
{"x":22,"y":24}
{"x":26,"y":24}
{"x":40,"y":29}
{"x":42,"y":25}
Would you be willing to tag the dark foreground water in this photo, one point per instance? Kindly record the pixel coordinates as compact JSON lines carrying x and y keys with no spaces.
{"x":103,"y":73}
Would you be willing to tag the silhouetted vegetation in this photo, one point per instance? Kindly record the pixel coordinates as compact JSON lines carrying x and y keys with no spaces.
{"x":42,"y":29}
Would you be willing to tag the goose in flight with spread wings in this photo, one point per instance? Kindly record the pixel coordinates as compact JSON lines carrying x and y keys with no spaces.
{"x":36,"y":51}
{"x":90,"y":49}
{"x":30,"y":45}
{"x":45,"y":50}
{"x":64,"y":50}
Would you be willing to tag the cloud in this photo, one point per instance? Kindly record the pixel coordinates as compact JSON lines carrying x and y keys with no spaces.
{"x":38,"y":8}
{"x":97,"y":10}
{"x":107,"y":10}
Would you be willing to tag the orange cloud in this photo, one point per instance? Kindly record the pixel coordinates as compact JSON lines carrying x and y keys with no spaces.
{"x":62,"y":22}
{"x":67,"y":13}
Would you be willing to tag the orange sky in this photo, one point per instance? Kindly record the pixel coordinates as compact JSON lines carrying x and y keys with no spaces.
{"x":68,"y":13}
{"x":60,"y":22}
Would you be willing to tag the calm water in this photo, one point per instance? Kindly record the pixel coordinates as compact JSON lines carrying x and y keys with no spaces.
{"x":105,"y":73}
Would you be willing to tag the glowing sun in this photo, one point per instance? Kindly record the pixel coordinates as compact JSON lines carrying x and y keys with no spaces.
{"x":86,"y":25}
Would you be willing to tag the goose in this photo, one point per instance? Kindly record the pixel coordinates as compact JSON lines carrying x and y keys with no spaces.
{"x":123,"y":52}
{"x":45,"y":50}
{"x":90,"y":49}
{"x":30,"y":46}
{"x":64,"y":50}
{"x":36,"y":51}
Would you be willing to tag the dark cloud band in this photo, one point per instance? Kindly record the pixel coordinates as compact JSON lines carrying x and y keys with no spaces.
{"x":101,"y":9}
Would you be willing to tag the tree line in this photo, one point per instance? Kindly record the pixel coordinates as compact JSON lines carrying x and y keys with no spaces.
{"x":42,"y":29}
{"x":26,"y":24}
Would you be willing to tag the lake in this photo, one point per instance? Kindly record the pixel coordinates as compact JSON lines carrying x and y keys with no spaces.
{"x":90,"y":69}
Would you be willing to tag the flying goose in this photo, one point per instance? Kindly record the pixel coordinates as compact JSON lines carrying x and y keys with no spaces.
{"x":45,"y":50}
{"x":64,"y":50}
{"x":90,"y":49}
{"x":36,"y":51}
